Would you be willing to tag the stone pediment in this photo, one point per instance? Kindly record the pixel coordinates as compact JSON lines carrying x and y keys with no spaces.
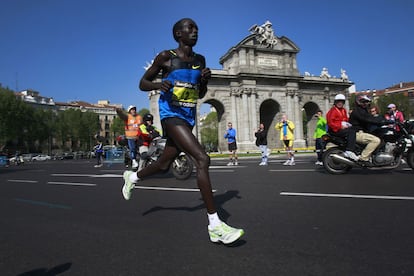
{"x":283,"y":44}
{"x":259,"y":53}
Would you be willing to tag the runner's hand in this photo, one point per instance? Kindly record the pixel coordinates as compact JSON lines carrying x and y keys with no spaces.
{"x":166,"y":85}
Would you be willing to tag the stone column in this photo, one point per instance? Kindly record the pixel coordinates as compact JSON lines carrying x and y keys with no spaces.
{"x":243,"y":118}
{"x":232,"y":115}
{"x":253,"y":113}
{"x":298,"y":117}
{"x":288,"y":111}
{"x":326,"y":98}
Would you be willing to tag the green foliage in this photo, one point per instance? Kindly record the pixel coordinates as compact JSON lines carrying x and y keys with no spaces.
{"x":117,"y":127}
{"x":26,"y":128}
{"x":209,"y":132}
{"x":75,"y":129}
{"x":143,"y":111}
{"x":400,"y":100}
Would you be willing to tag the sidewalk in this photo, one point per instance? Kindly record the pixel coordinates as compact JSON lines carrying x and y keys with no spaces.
{"x":276,"y":153}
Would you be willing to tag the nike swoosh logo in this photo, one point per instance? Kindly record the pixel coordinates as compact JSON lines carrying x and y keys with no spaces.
{"x":195,"y":66}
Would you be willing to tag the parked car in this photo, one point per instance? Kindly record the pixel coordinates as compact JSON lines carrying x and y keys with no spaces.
{"x":27,"y":157}
{"x":16,"y":160}
{"x":67,"y":155}
{"x":41,"y":157}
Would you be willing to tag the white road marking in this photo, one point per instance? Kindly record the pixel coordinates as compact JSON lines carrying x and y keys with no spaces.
{"x":227,"y":167}
{"x":88,"y":175}
{"x":21,"y":180}
{"x":348,"y":196}
{"x":71,"y":183}
{"x":168,"y":189}
{"x":294,"y":170}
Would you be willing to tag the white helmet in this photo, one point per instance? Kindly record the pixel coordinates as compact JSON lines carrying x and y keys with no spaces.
{"x":131,"y":107}
{"x":340,"y":97}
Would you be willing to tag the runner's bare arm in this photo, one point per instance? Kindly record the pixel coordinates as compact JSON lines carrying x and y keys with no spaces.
{"x":147,"y":81}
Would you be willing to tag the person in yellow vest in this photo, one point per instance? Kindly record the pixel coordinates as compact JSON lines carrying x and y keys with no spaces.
{"x":286,"y":129}
{"x":147,"y":133}
{"x":132,"y":122}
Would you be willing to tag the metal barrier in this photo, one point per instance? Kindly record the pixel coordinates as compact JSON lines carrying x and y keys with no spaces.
{"x":114,"y":155}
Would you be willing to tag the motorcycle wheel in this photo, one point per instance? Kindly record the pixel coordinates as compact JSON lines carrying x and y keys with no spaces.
{"x":332,"y":166}
{"x":410,"y":159}
{"x":182,"y":167}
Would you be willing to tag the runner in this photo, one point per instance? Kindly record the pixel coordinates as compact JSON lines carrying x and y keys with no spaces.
{"x":184,"y":81}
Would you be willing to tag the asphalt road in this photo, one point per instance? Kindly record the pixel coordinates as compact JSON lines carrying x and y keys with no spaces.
{"x":69,"y":218}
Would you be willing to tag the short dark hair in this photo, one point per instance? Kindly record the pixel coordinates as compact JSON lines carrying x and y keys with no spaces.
{"x":178,"y":26}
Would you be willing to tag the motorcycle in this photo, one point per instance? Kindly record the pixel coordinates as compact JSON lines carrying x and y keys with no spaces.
{"x":182,"y":166}
{"x":395,"y":145}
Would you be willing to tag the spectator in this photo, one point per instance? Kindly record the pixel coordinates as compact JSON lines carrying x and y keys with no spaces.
{"x":230,"y":135}
{"x":394,"y":115}
{"x":286,"y":129}
{"x":98,"y":148}
{"x":261,"y":142}
{"x":320,"y":130}
{"x":132,"y":122}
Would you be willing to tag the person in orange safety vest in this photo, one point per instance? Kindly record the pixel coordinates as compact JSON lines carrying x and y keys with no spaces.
{"x":132,"y":122}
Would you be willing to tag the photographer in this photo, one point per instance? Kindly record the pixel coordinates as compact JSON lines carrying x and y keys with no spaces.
{"x":286,"y":129}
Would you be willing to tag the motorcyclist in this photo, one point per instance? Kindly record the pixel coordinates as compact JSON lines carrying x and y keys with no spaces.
{"x":146,"y":134}
{"x":338,"y":125}
{"x":362,"y":120}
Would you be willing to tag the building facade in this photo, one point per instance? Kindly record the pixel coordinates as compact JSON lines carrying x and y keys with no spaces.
{"x":105,"y":110}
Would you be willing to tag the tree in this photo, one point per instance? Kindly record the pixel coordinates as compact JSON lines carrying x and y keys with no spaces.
{"x":399,"y":99}
{"x":382,"y":101}
{"x":143,"y":111}
{"x":117,"y":127}
{"x":16,"y":119}
{"x":209,"y":132}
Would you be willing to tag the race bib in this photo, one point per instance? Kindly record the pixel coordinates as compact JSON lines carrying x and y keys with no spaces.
{"x":186,"y":94}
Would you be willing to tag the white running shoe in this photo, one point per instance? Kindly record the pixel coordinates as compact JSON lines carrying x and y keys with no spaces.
{"x":292,"y":163}
{"x":128,"y":185}
{"x":236,"y":163}
{"x":224,"y":233}
{"x":230,"y":164}
{"x":287,"y":163}
{"x":262,"y":164}
{"x":349,"y":154}
{"x":319,"y":163}
{"x":134,"y":164}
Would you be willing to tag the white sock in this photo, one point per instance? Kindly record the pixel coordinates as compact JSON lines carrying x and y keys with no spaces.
{"x":213,"y":220}
{"x":133,"y":178}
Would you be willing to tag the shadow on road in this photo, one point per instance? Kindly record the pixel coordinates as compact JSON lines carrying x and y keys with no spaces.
{"x":59,"y":269}
{"x":218,"y":199}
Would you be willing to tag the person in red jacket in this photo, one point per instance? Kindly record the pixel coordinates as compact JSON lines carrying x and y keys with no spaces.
{"x":338,"y":125}
{"x":394,"y":115}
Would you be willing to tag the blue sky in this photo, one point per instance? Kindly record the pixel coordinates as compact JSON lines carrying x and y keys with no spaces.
{"x":93,"y":50}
